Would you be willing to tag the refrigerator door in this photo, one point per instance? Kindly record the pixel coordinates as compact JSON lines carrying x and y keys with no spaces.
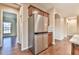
{"x":45,"y":24}
{"x":45,"y":41}
{"x":38,"y":43}
{"x":38,"y":21}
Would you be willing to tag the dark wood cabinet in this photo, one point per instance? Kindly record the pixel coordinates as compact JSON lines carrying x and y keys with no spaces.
{"x":50,"y":38}
{"x":31,"y":9}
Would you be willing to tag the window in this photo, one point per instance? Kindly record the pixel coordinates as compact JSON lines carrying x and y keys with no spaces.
{"x":7,"y":27}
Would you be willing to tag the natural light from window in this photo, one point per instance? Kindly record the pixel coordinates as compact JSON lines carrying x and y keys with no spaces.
{"x":7,"y":27}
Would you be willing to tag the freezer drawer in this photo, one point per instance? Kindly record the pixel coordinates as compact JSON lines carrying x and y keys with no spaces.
{"x":38,"y":43}
{"x":45,"y":41}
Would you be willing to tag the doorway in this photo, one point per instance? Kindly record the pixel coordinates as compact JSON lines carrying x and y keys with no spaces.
{"x":71,"y":26}
{"x":57,"y":27}
{"x":9,"y":32}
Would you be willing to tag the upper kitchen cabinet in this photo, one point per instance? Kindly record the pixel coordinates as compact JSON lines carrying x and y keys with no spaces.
{"x":32,"y":9}
{"x":46,"y":14}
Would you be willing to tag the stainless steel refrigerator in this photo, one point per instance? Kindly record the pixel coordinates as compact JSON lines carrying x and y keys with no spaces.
{"x":38,"y":33}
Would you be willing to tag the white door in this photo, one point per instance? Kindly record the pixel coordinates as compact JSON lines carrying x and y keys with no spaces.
{"x":1,"y":32}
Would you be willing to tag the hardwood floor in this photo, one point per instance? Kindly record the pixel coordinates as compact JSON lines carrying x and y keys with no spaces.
{"x":11,"y":48}
{"x":8,"y":44}
{"x":60,"y":48}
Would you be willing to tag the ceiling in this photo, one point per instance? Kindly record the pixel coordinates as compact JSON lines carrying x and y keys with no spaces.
{"x":67,"y":9}
{"x":13,"y":5}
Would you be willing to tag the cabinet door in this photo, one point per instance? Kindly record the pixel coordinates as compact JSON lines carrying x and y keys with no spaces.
{"x":50,"y":38}
{"x":38,"y":43}
{"x":45,"y":41}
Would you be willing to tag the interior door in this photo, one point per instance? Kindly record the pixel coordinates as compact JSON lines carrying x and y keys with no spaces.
{"x":1,"y":32}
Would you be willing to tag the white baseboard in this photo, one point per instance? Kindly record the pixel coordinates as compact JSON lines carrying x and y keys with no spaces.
{"x":24,"y":49}
{"x":18,"y":42}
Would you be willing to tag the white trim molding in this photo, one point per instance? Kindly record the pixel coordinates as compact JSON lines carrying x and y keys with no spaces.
{"x":24,"y":49}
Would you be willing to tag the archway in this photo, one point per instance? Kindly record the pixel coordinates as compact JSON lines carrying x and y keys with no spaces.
{"x":57,"y":26}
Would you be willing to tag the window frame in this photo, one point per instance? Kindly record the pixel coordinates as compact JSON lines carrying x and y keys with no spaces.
{"x":9,"y":28}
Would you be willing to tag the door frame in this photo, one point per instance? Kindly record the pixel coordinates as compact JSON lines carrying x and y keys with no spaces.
{"x":1,"y":29}
{"x":2,"y":26}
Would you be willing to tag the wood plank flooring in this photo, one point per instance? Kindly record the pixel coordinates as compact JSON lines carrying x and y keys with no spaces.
{"x":60,"y":48}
